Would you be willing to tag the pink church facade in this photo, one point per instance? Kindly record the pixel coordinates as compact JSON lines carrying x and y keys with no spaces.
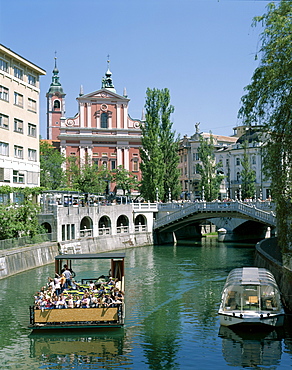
{"x":102,"y":129}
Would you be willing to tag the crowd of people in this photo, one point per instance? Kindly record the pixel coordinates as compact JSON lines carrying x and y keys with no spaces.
{"x":64,"y":292}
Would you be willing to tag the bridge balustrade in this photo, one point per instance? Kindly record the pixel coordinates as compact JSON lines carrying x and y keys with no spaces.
{"x":186,"y":209}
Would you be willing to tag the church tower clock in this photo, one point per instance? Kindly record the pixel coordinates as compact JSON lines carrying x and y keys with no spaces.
{"x":55,"y":106}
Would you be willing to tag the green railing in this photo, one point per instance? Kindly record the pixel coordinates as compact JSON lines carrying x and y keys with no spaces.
{"x":27,"y":240}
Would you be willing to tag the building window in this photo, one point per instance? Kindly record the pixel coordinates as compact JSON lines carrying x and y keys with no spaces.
{"x":57,"y":104}
{"x":113,"y":165}
{"x":18,"y":126}
{"x":135,"y":166}
{"x":32,"y":105}
{"x":237,"y":161}
{"x":18,"y":99}
{"x":18,"y":177}
{"x":31,"y":130}
{"x":4,"y":148}
{"x":254,"y":160}
{"x":227,"y":162}
{"x":4,"y":93}
{"x":3,"y":65}
{"x":31,"y":80}
{"x":4,"y":121}
{"x":18,"y":73}
{"x":104,"y":120}
{"x":237,"y":176}
{"x":18,"y":151}
{"x":32,"y":155}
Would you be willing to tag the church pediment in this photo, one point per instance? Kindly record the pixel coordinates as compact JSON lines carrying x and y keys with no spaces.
{"x":102,"y":94}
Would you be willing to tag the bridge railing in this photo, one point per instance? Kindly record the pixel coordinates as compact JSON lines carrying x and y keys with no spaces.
{"x":186,"y":209}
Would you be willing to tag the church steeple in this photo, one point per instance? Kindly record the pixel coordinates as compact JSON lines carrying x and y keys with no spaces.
{"x":55,"y":105}
{"x":55,"y":85}
{"x":107,"y":81}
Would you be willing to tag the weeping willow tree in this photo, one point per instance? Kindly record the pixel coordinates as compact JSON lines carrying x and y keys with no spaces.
{"x":268,"y":103}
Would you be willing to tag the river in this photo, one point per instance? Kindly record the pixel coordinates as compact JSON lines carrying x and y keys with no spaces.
{"x":172,"y":298}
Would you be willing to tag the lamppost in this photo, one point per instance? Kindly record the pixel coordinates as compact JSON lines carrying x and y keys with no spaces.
{"x":169,"y":195}
{"x":240,"y":197}
{"x":203,"y":193}
{"x":156,"y":195}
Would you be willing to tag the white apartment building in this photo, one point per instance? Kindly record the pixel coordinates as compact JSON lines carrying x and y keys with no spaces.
{"x":231,"y":158}
{"x":19,"y":120}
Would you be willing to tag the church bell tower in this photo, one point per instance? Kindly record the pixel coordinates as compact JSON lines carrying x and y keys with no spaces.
{"x":55,"y":105}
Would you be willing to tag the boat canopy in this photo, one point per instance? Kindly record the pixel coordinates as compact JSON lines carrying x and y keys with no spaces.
{"x":86,"y":256}
{"x":250,"y":276}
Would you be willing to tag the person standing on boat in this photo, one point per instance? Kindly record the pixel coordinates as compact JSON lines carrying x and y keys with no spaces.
{"x":68,"y":276}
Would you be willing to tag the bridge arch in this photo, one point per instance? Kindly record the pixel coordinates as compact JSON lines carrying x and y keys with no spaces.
{"x":140,"y":223}
{"x":122,"y":224}
{"x":86,"y":227}
{"x":47,"y":226}
{"x":104,"y":226}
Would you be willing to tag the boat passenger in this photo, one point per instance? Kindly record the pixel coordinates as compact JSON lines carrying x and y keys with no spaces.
{"x":57,"y":285}
{"x":85,"y":303}
{"x":68,"y":275}
{"x":61,"y":303}
{"x":70,"y":302}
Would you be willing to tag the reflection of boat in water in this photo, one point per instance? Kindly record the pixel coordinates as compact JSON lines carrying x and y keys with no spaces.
{"x":81,"y":306}
{"x":250,"y":349}
{"x":79,"y":344}
{"x":251,"y":297}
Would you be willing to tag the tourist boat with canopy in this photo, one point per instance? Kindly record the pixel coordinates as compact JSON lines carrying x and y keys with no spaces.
{"x":95,"y":285}
{"x":251,"y":297}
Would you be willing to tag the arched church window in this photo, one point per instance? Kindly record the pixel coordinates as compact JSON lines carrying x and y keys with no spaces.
{"x":57,"y":104}
{"x":104,"y":120}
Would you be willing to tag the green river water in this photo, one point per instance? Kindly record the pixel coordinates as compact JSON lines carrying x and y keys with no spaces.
{"x":172,"y":298}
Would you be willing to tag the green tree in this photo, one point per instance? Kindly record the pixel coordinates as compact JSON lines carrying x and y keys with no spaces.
{"x":20,"y":219}
{"x":268,"y":103}
{"x":248,"y":175}
{"x":210,"y":179}
{"x":52,"y":176}
{"x":85,"y":176}
{"x":124,"y":179}
{"x":159,"y":148}
{"x":169,"y":147}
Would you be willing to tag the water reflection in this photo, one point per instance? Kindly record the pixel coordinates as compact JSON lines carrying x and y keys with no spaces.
{"x":78,"y":348}
{"x":251,"y":348}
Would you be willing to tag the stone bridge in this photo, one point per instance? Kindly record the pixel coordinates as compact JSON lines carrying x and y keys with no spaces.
{"x":184,"y":219}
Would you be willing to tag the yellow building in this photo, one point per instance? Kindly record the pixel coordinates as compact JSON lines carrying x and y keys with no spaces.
{"x":19,"y":120}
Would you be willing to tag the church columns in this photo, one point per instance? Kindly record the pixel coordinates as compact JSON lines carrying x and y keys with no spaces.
{"x":125,"y":123}
{"x":123,"y":158}
{"x":81,"y":108}
{"x":88,"y":114}
{"x":118,"y":115}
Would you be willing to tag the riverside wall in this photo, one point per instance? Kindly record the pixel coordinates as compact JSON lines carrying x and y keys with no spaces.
{"x":269,"y":256}
{"x":14,"y":261}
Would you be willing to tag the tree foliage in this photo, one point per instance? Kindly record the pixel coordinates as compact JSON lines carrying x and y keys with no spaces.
{"x":210,"y":179}
{"x":248,"y":175}
{"x":124,"y":180}
{"x":19,"y":219}
{"x":52,"y":176}
{"x":159,"y":152}
{"x":85,"y":176}
{"x":268,"y":102}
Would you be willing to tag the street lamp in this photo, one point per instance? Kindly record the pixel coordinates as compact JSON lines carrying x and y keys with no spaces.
{"x":240,"y":197}
{"x":156,"y":194}
{"x":203,"y":193}
{"x":169,"y":195}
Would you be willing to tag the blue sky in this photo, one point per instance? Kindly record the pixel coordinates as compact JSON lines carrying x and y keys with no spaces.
{"x":201,"y":50}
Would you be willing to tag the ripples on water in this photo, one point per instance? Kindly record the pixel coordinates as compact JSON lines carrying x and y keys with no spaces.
{"x":172,"y":298}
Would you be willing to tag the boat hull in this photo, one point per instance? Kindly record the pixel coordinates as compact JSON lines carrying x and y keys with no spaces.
{"x":77,"y":318}
{"x":248,"y":320}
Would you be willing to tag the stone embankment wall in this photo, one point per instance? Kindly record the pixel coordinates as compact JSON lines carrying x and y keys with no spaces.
{"x":14,"y":261}
{"x":269,"y":256}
